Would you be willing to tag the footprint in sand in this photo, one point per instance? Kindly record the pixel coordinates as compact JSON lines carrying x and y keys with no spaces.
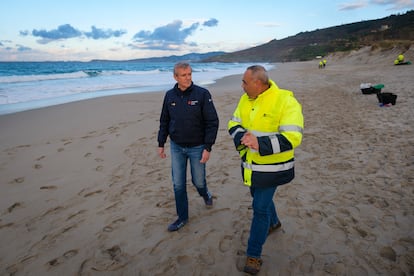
{"x":53,"y":210}
{"x":92,"y":193}
{"x":14,"y":268}
{"x":48,"y":187}
{"x":304,"y":262}
{"x":159,"y":247}
{"x":240,"y":259}
{"x":110,"y":259}
{"x":112,"y":206}
{"x":90,"y":135}
{"x":318,"y":215}
{"x":113,"y":129}
{"x":10,"y":224}
{"x":61,"y":259}
{"x":389,"y":253}
{"x":245,"y":237}
{"x":184,"y":260}
{"x":165,"y":204}
{"x":113,"y":225}
{"x":207,"y":257}
{"x":40,"y":158}
{"x":18,"y":180}
{"x":66,"y":141}
{"x":15,"y":205}
{"x":225,"y":243}
{"x":75,"y":214}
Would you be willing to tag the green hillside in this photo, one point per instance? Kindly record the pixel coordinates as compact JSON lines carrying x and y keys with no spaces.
{"x":385,"y":33}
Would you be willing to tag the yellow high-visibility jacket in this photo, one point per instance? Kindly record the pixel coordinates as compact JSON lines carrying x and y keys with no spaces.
{"x":275,"y":118}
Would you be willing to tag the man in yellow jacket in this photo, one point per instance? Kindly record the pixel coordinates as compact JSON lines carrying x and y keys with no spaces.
{"x":266,"y":127}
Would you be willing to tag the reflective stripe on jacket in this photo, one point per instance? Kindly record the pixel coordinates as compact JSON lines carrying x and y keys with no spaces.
{"x":275,"y":118}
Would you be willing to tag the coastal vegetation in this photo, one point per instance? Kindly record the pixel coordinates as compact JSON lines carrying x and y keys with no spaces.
{"x":386,"y":33}
{"x":395,"y":31}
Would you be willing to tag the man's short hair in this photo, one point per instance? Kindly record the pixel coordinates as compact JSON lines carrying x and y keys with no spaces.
{"x":259,"y":73}
{"x":181,"y":65}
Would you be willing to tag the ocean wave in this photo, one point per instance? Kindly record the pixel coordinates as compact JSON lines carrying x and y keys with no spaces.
{"x":93,"y":81}
{"x":74,"y":75}
{"x":34,"y":78}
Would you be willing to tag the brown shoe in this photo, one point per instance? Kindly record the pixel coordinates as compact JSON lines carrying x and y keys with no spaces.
{"x":253,"y":265}
{"x":273,"y":228}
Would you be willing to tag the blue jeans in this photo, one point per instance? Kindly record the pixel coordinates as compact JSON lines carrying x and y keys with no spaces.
{"x":264,"y":215}
{"x":179,"y":157}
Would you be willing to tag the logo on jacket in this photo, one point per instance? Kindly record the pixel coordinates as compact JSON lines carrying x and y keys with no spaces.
{"x":192,"y":102}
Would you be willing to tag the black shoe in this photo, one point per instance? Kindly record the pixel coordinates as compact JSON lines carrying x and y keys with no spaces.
{"x":208,"y":200}
{"x":274,"y":227}
{"x":176,"y":225}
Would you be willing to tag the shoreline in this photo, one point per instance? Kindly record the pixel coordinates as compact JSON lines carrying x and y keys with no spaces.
{"x":84,"y":191}
{"x":109,"y":84}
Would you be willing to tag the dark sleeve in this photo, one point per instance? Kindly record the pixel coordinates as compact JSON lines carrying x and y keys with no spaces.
{"x":211,"y":121}
{"x":273,"y":144}
{"x":164,"y":122}
{"x":237,"y":132}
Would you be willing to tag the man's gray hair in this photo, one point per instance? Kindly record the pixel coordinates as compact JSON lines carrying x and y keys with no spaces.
{"x":259,"y":73}
{"x":181,"y":65}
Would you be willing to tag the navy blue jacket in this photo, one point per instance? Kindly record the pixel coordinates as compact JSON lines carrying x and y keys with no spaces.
{"x":188,"y":117}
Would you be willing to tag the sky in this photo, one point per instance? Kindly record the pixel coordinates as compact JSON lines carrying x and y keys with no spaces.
{"x":82,"y":30}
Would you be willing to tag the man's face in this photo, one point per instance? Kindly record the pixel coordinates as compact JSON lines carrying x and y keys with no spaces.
{"x":249,"y":84}
{"x":183,"y":77}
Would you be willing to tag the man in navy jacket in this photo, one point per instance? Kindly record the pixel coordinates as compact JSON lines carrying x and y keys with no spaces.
{"x":190,"y":119}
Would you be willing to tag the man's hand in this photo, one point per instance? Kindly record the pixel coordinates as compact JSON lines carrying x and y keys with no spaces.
{"x":205,"y":157}
{"x":161,"y":152}
{"x":250,"y":141}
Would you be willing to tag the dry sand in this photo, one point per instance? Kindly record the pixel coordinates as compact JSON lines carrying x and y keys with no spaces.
{"x":83,"y":191}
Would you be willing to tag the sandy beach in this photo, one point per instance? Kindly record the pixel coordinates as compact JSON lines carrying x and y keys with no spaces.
{"x":83,"y":191}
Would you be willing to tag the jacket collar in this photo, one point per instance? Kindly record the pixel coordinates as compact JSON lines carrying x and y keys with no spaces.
{"x":272,"y":87}
{"x":179,"y":92}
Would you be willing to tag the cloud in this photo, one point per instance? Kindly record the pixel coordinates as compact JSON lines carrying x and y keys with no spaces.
{"x":97,"y":33}
{"x":21,"y":48}
{"x":62,"y":32}
{"x":170,"y":33}
{"x":4,"y":42}
{"x":211,"y":23}
{"x":168,"y":37}
{"x":396,"y":4}
{"x":24,"y":33}
{"x":352,"y":6}
{"x":66,"y":31}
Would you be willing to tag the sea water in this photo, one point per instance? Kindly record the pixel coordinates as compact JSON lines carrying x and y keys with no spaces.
{"x":30,"y":85}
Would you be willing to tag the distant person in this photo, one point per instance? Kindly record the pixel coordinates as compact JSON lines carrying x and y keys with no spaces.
{"x":189,"y":118}
{"x":266,"y":127}
{"x":399,"y":60}
{"x":320,"y":64}
{"x":324,"y":63}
